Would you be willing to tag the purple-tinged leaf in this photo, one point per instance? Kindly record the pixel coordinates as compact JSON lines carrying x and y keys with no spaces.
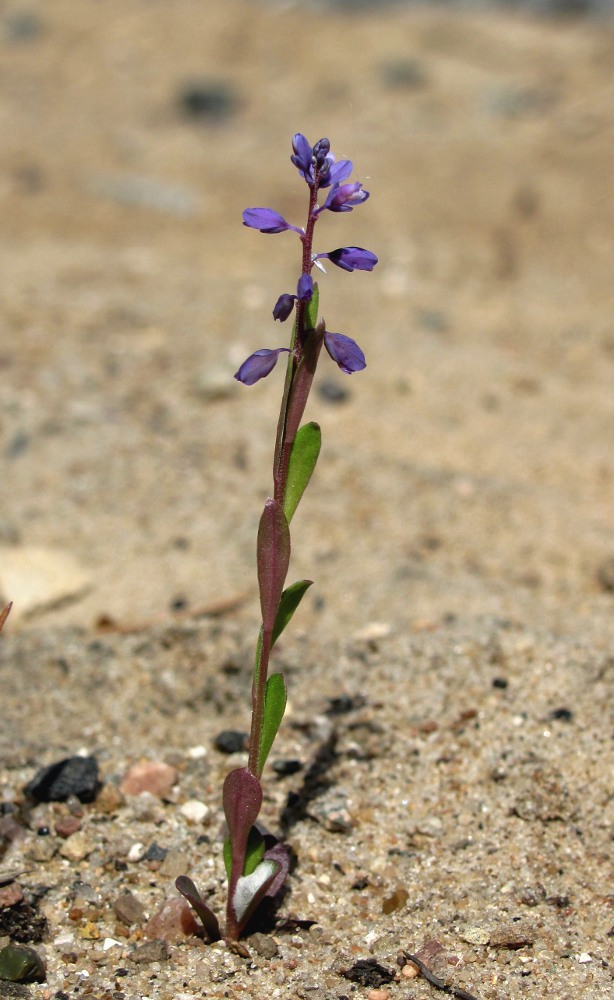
{"x":273,"y":557}
{"x":274,"y":707}
{"x":279,"y":854}
{"x":208,"y":919}
{"x":242,"y":798}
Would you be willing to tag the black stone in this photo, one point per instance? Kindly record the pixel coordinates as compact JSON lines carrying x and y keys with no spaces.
{"x":230,"y":741}
{"x":500,"y":682}
{"x":155,"y":853}
{"x":562,"y":714}
{"x":344,"y":704}
{"x":368,"y":972}
{"x":286,"y":766}
{"x":72,"y":776}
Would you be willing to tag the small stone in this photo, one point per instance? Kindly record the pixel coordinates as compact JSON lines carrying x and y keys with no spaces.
{"x":368,"y":972}
{"x":77,"y":847}
{"x":71,"y":776}
{"x":378,"y":995}
{"x":410,"y":971}
{"x":517,"y":934}
{"x":67,"y":825}
{"x":396,"y":901}
{"x":286,"y":767}
{"x":109,"y":799}
{"x":129,"y":909}
{"x":10,"y":894}
{"x":155,"y":852}
{"x":136,"y":852}
{"x":194,"y":811}
{"x":19,"y":964}
{"x":153,"y":776}
{"x":584,"y":958}
{"x":214,"y":383}
{"x":151,"y":951}
{"x":475,"y":935}
{"x":174,"y":921}
{"x":231,"y":741}
{"x":175,"y":863}
{"x":332,"y":813}
{"x":264,"y":945}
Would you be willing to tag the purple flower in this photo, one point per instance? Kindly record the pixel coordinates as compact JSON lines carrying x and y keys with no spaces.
{"x":303,"y":156}
{"x":345,"y":352}
{"x":334,"y":173}
{"x":267,"y":221}
{"x":259,"y":365}
{"x":321,"y":152}
{"x":351,"y":258}
{"x":285,"y":303}
{"x":344,"y":197}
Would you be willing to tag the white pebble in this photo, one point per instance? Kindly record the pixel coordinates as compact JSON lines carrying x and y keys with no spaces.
{"x":194,"y":811}
{"x":136,"y":852}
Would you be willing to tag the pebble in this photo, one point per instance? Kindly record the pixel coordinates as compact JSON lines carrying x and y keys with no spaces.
{"x":19,"y":964}
{"x":151,"y":951}
{"x":517,"y":934}
{"x":76,"y":776}
{"x":67,"y":825}
{"x":332,"y":813}
{"x":77,"y":847}
{"x":110,"y":799}
{"x":231,"y":741}
{"x":475,"y":935}
{"x":286,"y":766}
{"x":396,"y":901}
{"x":38,"y":579}
{"x":332,"y":392}
{"x":175,"y":863}
{"x":215,"y":382}
{"x":378,"y":995}
{"x":10,"y":894}
{"x":263,"y":944}
{"x":208,"y":100}
{"x":129,"y":909}
{"x":194,"y":811}
{"x":153,"y":776}
{"x":174,"y":921}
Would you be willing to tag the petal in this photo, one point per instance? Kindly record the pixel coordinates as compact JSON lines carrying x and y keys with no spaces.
{"x":344,"y":197}
{"x":283,"y":306}
{"x":345,"y":352}
{"x":304,"y":289}
{"x":302,"y":153}
{"x":266,"y":220}
{"x":340,"y":171}
{"x":259,"y":365}
{"x":352,"y":258}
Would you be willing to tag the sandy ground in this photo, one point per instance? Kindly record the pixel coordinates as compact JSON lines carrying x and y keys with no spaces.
{"x":458,"y":528}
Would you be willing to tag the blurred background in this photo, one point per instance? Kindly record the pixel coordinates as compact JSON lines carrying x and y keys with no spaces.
{"x":469,"y":469}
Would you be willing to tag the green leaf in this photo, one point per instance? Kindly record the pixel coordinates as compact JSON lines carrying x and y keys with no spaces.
{"x":303,"y":458}
{"x":255,"y":851}
{"x":312,"y":309}
{"x":274,"y":708}
{"x":228,"y":857}
{"x":290,"y":600}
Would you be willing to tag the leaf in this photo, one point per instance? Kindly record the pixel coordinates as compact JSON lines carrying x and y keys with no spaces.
{"x":4,"y":614}
{"x":250,"y":889}
{"x":186,"y":887}
{"x":311,"y":313}
{"x":290,"y":600}
{"x":303,"y":458}
{"x":274,"y":707}
{"x":273,"y":555}
{"x":242,"y":798}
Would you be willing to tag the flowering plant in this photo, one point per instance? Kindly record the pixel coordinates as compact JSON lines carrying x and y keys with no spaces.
{"x":257,"y":864}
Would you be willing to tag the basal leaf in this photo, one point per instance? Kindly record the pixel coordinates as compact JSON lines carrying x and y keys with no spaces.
{"x":274,"y":708}
{"x":187,"y":889}
{"x":290,"y":600}
{"x":303,"y":458}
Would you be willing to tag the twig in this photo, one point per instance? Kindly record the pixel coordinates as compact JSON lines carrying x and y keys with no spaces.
{"x":439,"y":984}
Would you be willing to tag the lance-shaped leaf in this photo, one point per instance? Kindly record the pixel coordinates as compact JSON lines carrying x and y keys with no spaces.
{"x":279,"y":854}
{"x":209,"y":921}
{"x":242,"y":798}
{"x":274,"y":707}
{"x":303,"y":458}
{"x":311,"y":314}
{"x":290,"y":600}
{"x":273,"y":553}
